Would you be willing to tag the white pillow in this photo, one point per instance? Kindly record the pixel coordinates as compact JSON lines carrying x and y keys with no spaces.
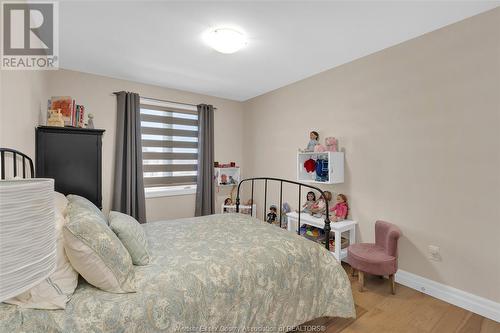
{"x":55,"y":291}
{"x":61,"y":202}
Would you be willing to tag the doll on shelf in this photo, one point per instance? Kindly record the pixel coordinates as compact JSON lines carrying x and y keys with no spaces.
{"x":340,"y":210}
{"x":311,"y":200}
{"x":313,"y":141}
{"x":227,"y":202}
{"x":272,"y":216}
{"x":319,"y":208}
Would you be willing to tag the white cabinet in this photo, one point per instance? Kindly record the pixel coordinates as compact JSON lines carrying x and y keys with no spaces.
{"x":330,"y":166}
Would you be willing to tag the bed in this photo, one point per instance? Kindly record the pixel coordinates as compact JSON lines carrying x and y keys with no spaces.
{"x":218,"y":273}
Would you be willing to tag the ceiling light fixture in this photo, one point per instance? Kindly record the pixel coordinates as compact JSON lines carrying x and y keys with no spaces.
{"x":225,"y":40}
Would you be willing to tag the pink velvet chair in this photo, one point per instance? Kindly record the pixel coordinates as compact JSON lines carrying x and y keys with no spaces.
{"x":380,"y":258}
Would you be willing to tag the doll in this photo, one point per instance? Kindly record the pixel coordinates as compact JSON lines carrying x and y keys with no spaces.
{"x":271,"y":216}
{"x":341,"y":209}
{"x":285,"y":210}
{"x":314,"y":137}
{"x":319,"y":208}
{"x":227,"y":202}
{"x":311,"y":200}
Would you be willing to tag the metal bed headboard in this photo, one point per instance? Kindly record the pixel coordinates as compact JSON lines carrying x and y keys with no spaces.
{"x":327,"y":228}
{"x":15,"y":156}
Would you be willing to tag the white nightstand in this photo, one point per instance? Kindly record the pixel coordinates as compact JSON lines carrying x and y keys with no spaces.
{"x":319,"y":222}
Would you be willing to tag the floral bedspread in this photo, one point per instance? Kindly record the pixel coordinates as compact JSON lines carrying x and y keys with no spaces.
{"x":218,"y":273}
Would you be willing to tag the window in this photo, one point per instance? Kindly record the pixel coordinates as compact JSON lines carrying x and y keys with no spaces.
{"x":169,"y":147}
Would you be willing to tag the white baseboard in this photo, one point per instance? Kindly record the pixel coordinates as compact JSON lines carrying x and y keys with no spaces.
{"x":460,"y":298}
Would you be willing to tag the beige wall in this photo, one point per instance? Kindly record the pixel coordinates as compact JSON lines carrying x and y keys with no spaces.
{"x":420,"y":125}
{"x":22,"y":95}
{"x":23,"y":92}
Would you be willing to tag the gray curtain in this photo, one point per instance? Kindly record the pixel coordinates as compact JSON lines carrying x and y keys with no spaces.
{"x":205,"y":189}
{"x":128,"y":195}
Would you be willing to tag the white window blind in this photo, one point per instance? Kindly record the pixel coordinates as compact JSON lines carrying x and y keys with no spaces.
{"x":169,"y":145}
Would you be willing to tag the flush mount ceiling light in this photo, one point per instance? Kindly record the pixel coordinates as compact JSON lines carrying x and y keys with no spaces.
{"x":225,"y":40}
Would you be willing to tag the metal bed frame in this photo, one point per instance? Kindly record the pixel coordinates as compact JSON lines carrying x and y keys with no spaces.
{"x":25,"y":159}
{"x":15,"y":155}
{"x":327,"y":227}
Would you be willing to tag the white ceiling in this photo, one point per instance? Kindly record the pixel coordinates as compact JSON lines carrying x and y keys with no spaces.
{"x":160,"y":42}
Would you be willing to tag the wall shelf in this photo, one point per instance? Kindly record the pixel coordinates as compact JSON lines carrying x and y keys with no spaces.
{"x":227,"y":176}
{"x":334,"y":174}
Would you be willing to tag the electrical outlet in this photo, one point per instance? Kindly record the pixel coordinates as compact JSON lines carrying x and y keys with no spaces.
{"x":434,"y":253}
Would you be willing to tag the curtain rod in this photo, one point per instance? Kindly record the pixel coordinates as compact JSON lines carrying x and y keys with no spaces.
{"x":162,"y":100}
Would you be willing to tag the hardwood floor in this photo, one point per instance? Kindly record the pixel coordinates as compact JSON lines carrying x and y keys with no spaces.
{"x":407,"y":311}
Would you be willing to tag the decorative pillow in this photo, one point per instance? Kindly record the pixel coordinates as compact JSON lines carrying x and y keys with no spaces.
{"x":132,"y":235}
{"x":95,"y":251}
{"x":55,"y":291}
{"x":81,"y":201}
{"x":61,"y":202}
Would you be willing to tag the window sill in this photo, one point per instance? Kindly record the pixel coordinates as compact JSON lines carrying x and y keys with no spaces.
{"x":170,"y":192}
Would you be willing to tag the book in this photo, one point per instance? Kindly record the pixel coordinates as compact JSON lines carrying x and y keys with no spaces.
{"x":80,"y":111}
{"x":65,"y":104}
{"x":81,"y":122}
{"x":73,"y":113}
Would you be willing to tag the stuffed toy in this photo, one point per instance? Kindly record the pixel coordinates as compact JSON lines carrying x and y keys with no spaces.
{"x":331,"y":144}
{"x":310,"y":165}
{"x":319,"y":148}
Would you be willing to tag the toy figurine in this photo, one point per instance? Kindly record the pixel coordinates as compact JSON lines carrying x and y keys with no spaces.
{"x":311,"y":200}
{"x":55,"y":118}
{"x":90,"y":123}
{"x":271,"y":216}
{"x":341,"y":209}
{"x":227,"y":202}
{"x":314,"y":137}
{"x":285,"y":210}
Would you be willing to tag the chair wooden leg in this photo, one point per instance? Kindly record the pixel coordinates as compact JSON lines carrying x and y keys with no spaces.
{"x":353,"y":271}
{"x":393,"y":284}
{"x":361,"y":280}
